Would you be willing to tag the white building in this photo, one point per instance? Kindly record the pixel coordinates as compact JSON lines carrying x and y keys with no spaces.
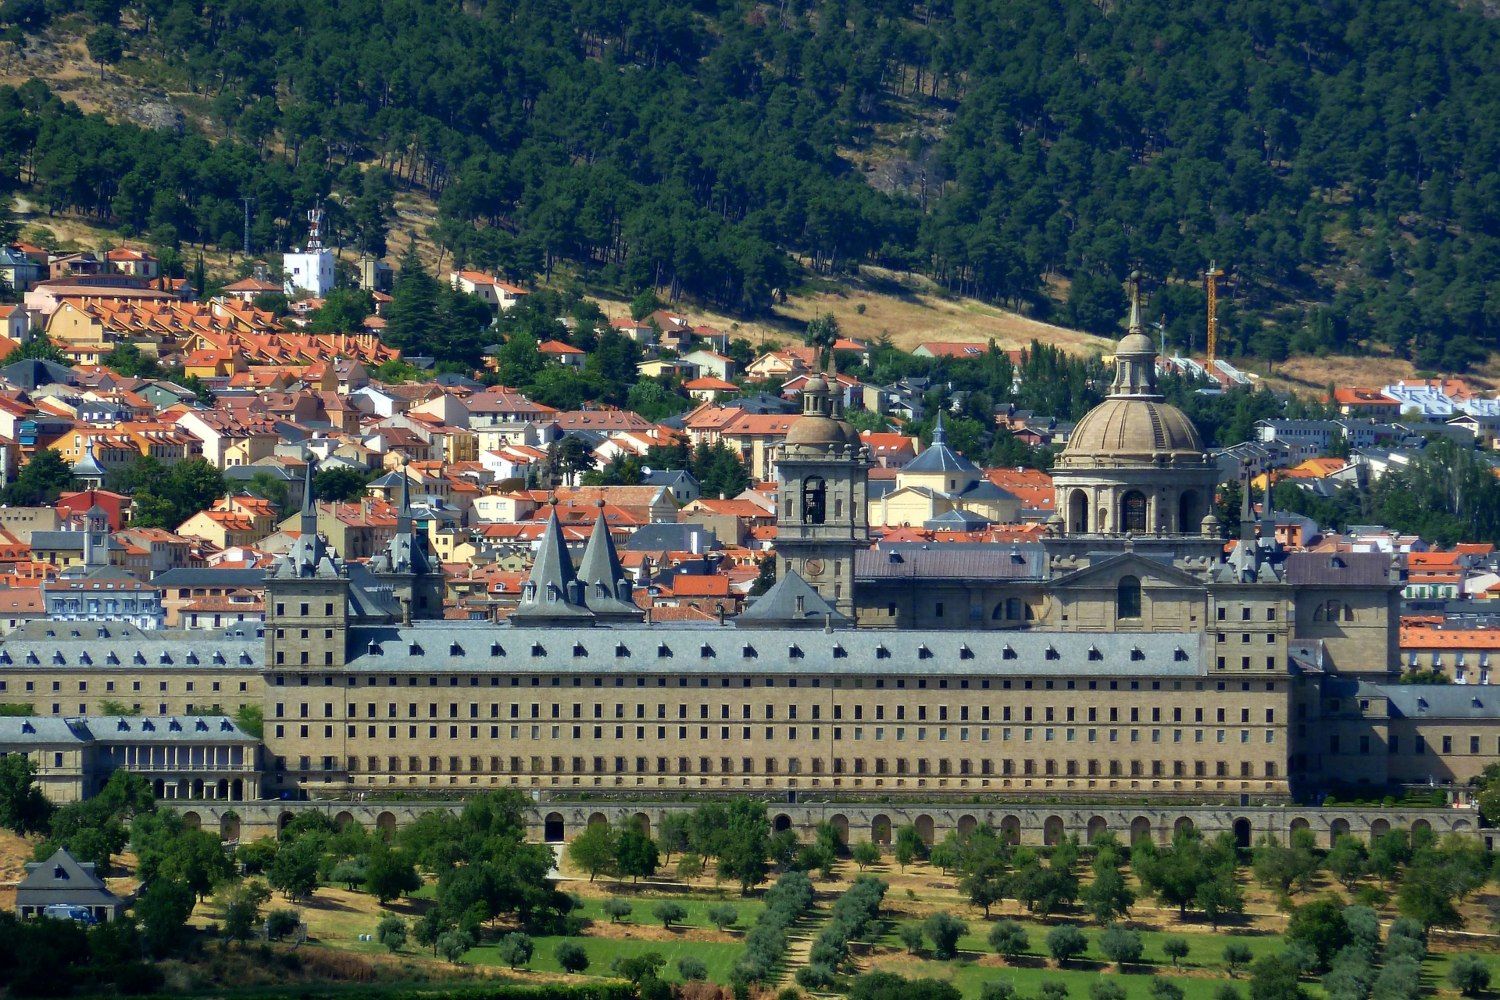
{"x":310,"y":269}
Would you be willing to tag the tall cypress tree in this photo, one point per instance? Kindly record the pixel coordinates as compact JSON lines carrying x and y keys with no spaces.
{"x":414,"y":307}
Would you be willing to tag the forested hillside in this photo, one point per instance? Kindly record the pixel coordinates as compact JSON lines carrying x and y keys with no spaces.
{"x":1342,"y":156}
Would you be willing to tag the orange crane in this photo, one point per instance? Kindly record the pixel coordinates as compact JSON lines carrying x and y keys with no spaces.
{"x":1211,"y":282}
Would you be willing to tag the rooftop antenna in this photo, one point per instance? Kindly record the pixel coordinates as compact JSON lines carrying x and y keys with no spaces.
{"x":314,"y":229}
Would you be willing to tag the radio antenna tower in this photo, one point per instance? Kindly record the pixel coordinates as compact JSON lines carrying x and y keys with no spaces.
{"x":314,"y":229}
{"x":249,"y":201}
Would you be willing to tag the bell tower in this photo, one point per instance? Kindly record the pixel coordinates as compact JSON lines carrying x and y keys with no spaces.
{"x":822,"y":515}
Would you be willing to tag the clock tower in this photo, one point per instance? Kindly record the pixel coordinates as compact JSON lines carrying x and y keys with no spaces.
{"x":821,"y":517}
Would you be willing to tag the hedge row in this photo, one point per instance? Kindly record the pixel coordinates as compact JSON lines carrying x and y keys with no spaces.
{"x":788,"y":899}
{"x":853,"y":914}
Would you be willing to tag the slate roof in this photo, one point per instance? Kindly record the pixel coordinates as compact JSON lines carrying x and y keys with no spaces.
{"x":793,"y":601}
{"x":710,"y":649}
{"x":951,"y":561}
{"x":63,"y":880}
{"x":40,"y":731}
{"x":44,"y":643}
{"x":938,"y":457}
{"x":1337,"y":569}
{"x":208,"y":576}
{"x":1440,"y":701}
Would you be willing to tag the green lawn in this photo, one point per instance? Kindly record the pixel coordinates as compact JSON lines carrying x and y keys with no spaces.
{"x":719,"y":957}
{"x":1204,"y":948}
{"x":697,"y":907}
{"x":968,"y":977}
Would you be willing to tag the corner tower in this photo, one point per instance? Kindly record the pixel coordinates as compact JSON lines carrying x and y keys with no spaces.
{"x":307,"y":598}
{"x":822,"y":515}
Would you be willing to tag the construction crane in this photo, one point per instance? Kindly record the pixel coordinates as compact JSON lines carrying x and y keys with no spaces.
{"x":1211,"y":282}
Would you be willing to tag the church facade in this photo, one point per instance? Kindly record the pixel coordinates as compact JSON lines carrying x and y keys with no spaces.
{"x":1127,"y":656}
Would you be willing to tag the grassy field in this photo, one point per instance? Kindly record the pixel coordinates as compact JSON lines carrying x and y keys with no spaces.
{"x":1205,"y":950}
{"x":718,"y":957}
{"x":697,"y":908}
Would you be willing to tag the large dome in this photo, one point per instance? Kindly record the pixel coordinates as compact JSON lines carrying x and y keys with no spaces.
{"x":1125,"y":430}
{"x":817,"y":430}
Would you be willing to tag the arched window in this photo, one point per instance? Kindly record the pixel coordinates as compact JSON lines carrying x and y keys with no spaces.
{"x":1128,"y":597}
{"x":1013,"y":608}
{"x":1188,"y":518}
{"x":814,"y":500}
{"x":1133,"y":512}
{"x":1078,"y":512}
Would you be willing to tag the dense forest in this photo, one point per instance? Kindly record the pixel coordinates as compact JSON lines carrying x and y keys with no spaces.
{"x":1340,"y":156}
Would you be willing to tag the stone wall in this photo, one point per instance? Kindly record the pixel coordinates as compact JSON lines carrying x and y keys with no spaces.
{"x":557,"y":821}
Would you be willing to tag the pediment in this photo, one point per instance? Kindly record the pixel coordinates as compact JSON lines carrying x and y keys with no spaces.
{"x":1105,"y":572}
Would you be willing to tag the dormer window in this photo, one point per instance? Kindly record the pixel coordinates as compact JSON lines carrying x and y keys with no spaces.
{"x":965,"y":653}
{"x":1137,"y":654}
{"x":1094,"y":654}
{"x":1053,"y":654}
{"x":454,"y":649}
{"x":794,"y":651}
{"x":706,"y":651}
{"x":621,"y":650}
{"x":537,"y":650}
{"x":578,"y":649}
{"x":663,"y":650}
{"x":1007,"y":653}
{"x":495,"y":649}
{"x":881,"y":653}
{"x":923,"y":653}
{"x":839,"y":652}
{"x":748,"y":652}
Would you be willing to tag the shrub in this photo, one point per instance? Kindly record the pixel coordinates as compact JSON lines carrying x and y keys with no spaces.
{"x":391,"y":932}
{"x":1121,"y":945}
{"x":1227,"y":992}
{"x":1236,"y":957}
{"x":1008,"y":938}
{"x":280,"y":923}
{"x":944,"y":930}
{"x":723,"y":916}
{"x":1165,"y":989}
{"x":669,"y":913}
{"x":452,"y":945}
{"x":617,"y":910}
{"x":1053,"y":991}
{"x":1176,"y":949}
{"x":999,"y":989}
{"x":1065,"y":942}
{"x":571,"y":957}
{"x":1469,"y":975}
{"x":692,"y":969}
{"x":911,"y":936}
{"x":1103,"y":989}
{"x":815,"y":976}
{"x":514,"y":949}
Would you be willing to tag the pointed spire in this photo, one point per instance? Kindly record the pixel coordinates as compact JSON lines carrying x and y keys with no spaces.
{"x":552,"y":592}
{"x":403,"y":514}
{"x":939,"y":436}
{"x":309,"y":508}
{"x":606,"y":587}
